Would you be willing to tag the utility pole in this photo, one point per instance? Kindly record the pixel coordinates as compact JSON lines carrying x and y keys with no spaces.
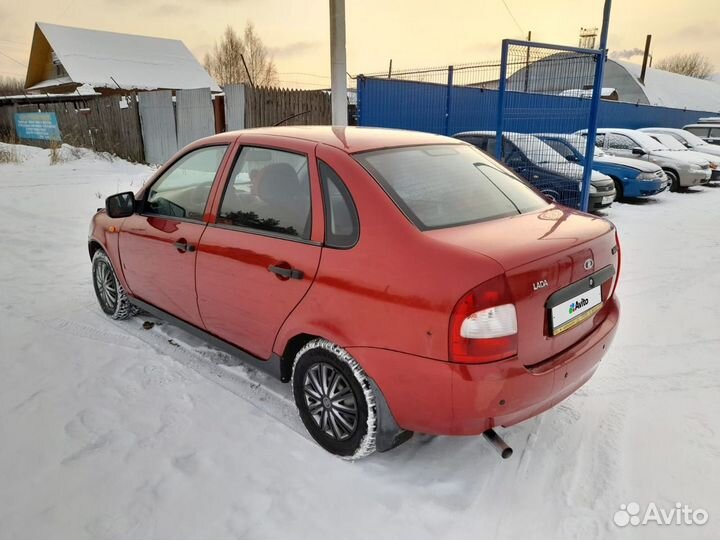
{"x":338,"y":63}
{"x":527,"y":62}
{"x":648,"y":39}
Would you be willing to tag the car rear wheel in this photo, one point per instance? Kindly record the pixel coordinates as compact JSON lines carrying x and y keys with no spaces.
{"x":335,"y":400}
{"x":111,"y":296}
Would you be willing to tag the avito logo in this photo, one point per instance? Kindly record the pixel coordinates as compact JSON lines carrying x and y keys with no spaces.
{"x":577,"y":304}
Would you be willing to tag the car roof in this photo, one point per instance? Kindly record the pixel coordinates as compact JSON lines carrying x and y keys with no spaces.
{"x":702,"y":125}
{"x":660,"y":129}
{"x":351,"y":139}
{"x":622,"y":131}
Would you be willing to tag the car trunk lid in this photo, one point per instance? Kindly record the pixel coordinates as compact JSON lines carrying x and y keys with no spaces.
{"x":544,"y":253}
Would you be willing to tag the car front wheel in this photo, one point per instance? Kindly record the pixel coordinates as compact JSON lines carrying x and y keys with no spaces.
{"x":111,"y":296}
{"x":674,"y":181}
{"x":335,"y":399}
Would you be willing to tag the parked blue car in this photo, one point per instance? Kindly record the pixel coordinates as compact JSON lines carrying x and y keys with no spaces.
{"x":542,"y":167}
{"x":632,"y":177}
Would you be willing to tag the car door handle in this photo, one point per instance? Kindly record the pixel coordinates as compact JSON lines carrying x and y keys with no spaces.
{"x":182,"y":246}
{"x":286,"y":273}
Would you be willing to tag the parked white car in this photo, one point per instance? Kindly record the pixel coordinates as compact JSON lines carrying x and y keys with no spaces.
{"x":691,"y":142}
{"x":676,"y":146}
{"x":683,"y":170}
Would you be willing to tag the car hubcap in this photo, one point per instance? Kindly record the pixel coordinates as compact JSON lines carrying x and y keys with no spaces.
{"x":331,"y":401}
{"x":106,"y":286}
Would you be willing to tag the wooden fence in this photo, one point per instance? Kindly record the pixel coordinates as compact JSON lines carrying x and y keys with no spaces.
{"x":268,"y":106}
{"x":117,"y":124}
{"x":104,"y":124}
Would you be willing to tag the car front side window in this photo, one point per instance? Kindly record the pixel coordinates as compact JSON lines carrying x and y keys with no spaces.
{"x":183,"y":190}
{"x":269,"y":190}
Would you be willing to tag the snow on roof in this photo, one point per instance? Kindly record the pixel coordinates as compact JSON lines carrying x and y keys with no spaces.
{"x":109,"y":60}
{"x":586,"y":93}
{"x":677,"y":91}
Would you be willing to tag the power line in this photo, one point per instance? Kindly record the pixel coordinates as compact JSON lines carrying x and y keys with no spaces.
{"x":513,"y":17}
{"x":305,"y":74}
{"x":11,"y":58}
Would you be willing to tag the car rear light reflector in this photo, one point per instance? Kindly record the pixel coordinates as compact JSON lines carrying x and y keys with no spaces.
{"x":483,"y":325}
{"x":499,"y":321}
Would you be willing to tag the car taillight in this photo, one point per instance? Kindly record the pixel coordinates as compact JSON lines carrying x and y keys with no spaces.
{"x":619,"y":257}
{"x":483,"y":325}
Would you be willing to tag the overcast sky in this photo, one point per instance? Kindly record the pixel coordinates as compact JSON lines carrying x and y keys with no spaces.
{"x":414,"y":33}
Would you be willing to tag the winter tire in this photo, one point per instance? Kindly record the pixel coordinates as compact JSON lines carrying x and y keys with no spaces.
{"x":335,"y":400}
{"x":674,"y":181}
{"x":111,"y":296}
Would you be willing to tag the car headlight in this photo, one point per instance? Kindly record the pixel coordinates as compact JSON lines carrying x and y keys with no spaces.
{"x":647,"y":176}
{"x":713,"y":165}
{"x":593,"y":189}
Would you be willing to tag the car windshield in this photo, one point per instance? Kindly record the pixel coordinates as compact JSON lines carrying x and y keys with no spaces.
{"x":692,"y":139}
{"x":439,"y":186}
{"x":668,"y":140}
{"x":578,"y":142}
{"x":536,"y":150}
{"x":645,"y":141}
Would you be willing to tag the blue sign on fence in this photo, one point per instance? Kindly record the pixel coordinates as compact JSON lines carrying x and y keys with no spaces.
{"x":41,"y":126}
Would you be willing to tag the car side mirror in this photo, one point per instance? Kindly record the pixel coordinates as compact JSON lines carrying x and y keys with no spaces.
{"x":638,"y":151}
{"x":120,"y":205}
{"x":572,"y":158}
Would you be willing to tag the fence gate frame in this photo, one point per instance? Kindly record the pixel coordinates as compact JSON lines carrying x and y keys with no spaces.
{"x":600,"y":57}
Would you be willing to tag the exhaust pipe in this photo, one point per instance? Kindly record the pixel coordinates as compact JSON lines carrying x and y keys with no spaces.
{"x":498,"y":443}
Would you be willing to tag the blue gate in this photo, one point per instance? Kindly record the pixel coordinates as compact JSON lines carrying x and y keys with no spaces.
{"x":536,"y":80}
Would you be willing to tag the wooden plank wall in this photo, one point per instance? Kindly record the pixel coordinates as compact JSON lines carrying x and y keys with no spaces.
{"x":99,"y":123}
{"x":268,"y":106}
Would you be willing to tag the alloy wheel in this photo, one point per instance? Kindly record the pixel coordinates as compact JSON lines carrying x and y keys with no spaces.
{"x":330,"y":401}
{"x":106,"y":286}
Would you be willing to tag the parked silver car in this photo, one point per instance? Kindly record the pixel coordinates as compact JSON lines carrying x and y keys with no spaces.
{"x":683,"y":170}
{"x":690,"y":141}
{"x":676,"y":146}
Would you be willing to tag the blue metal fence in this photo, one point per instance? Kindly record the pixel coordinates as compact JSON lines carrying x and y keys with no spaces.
{"x":422,"y":106}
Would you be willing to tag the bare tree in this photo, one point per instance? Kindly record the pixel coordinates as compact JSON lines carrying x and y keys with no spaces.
{"x":690,"y":64}
{"x":225,"y":63}
{"x":10,"y":86}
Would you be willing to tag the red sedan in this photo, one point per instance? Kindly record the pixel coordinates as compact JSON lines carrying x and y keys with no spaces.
{"x":402,"y":282}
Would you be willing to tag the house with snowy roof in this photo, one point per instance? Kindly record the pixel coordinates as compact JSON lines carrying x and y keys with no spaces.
{"x":63,"y":59}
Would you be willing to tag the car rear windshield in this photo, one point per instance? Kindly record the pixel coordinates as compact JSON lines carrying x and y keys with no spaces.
{"x":440,"y":186}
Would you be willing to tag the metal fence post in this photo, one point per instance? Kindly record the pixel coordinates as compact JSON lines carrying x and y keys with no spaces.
{"x":501,"y":101}
{"x":448,"y":103}
{"x":595,"y":108}
{"x":358,"y":104}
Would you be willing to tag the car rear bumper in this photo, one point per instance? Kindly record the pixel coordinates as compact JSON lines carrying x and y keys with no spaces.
{"x":601,"y":199}
{"x":444,"y":398}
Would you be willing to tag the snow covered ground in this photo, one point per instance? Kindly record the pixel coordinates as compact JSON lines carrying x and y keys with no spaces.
{"x":111,"y":431}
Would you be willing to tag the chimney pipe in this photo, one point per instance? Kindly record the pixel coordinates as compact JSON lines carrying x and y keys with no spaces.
{"x":648,"y":39}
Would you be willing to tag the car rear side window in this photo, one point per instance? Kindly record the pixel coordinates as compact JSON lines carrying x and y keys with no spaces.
{"x":342,"y":227}
{"x":268,"y":190}
{"x":182,"y":191}
{"x":699,"y":131}
{"x":440,"y":186}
